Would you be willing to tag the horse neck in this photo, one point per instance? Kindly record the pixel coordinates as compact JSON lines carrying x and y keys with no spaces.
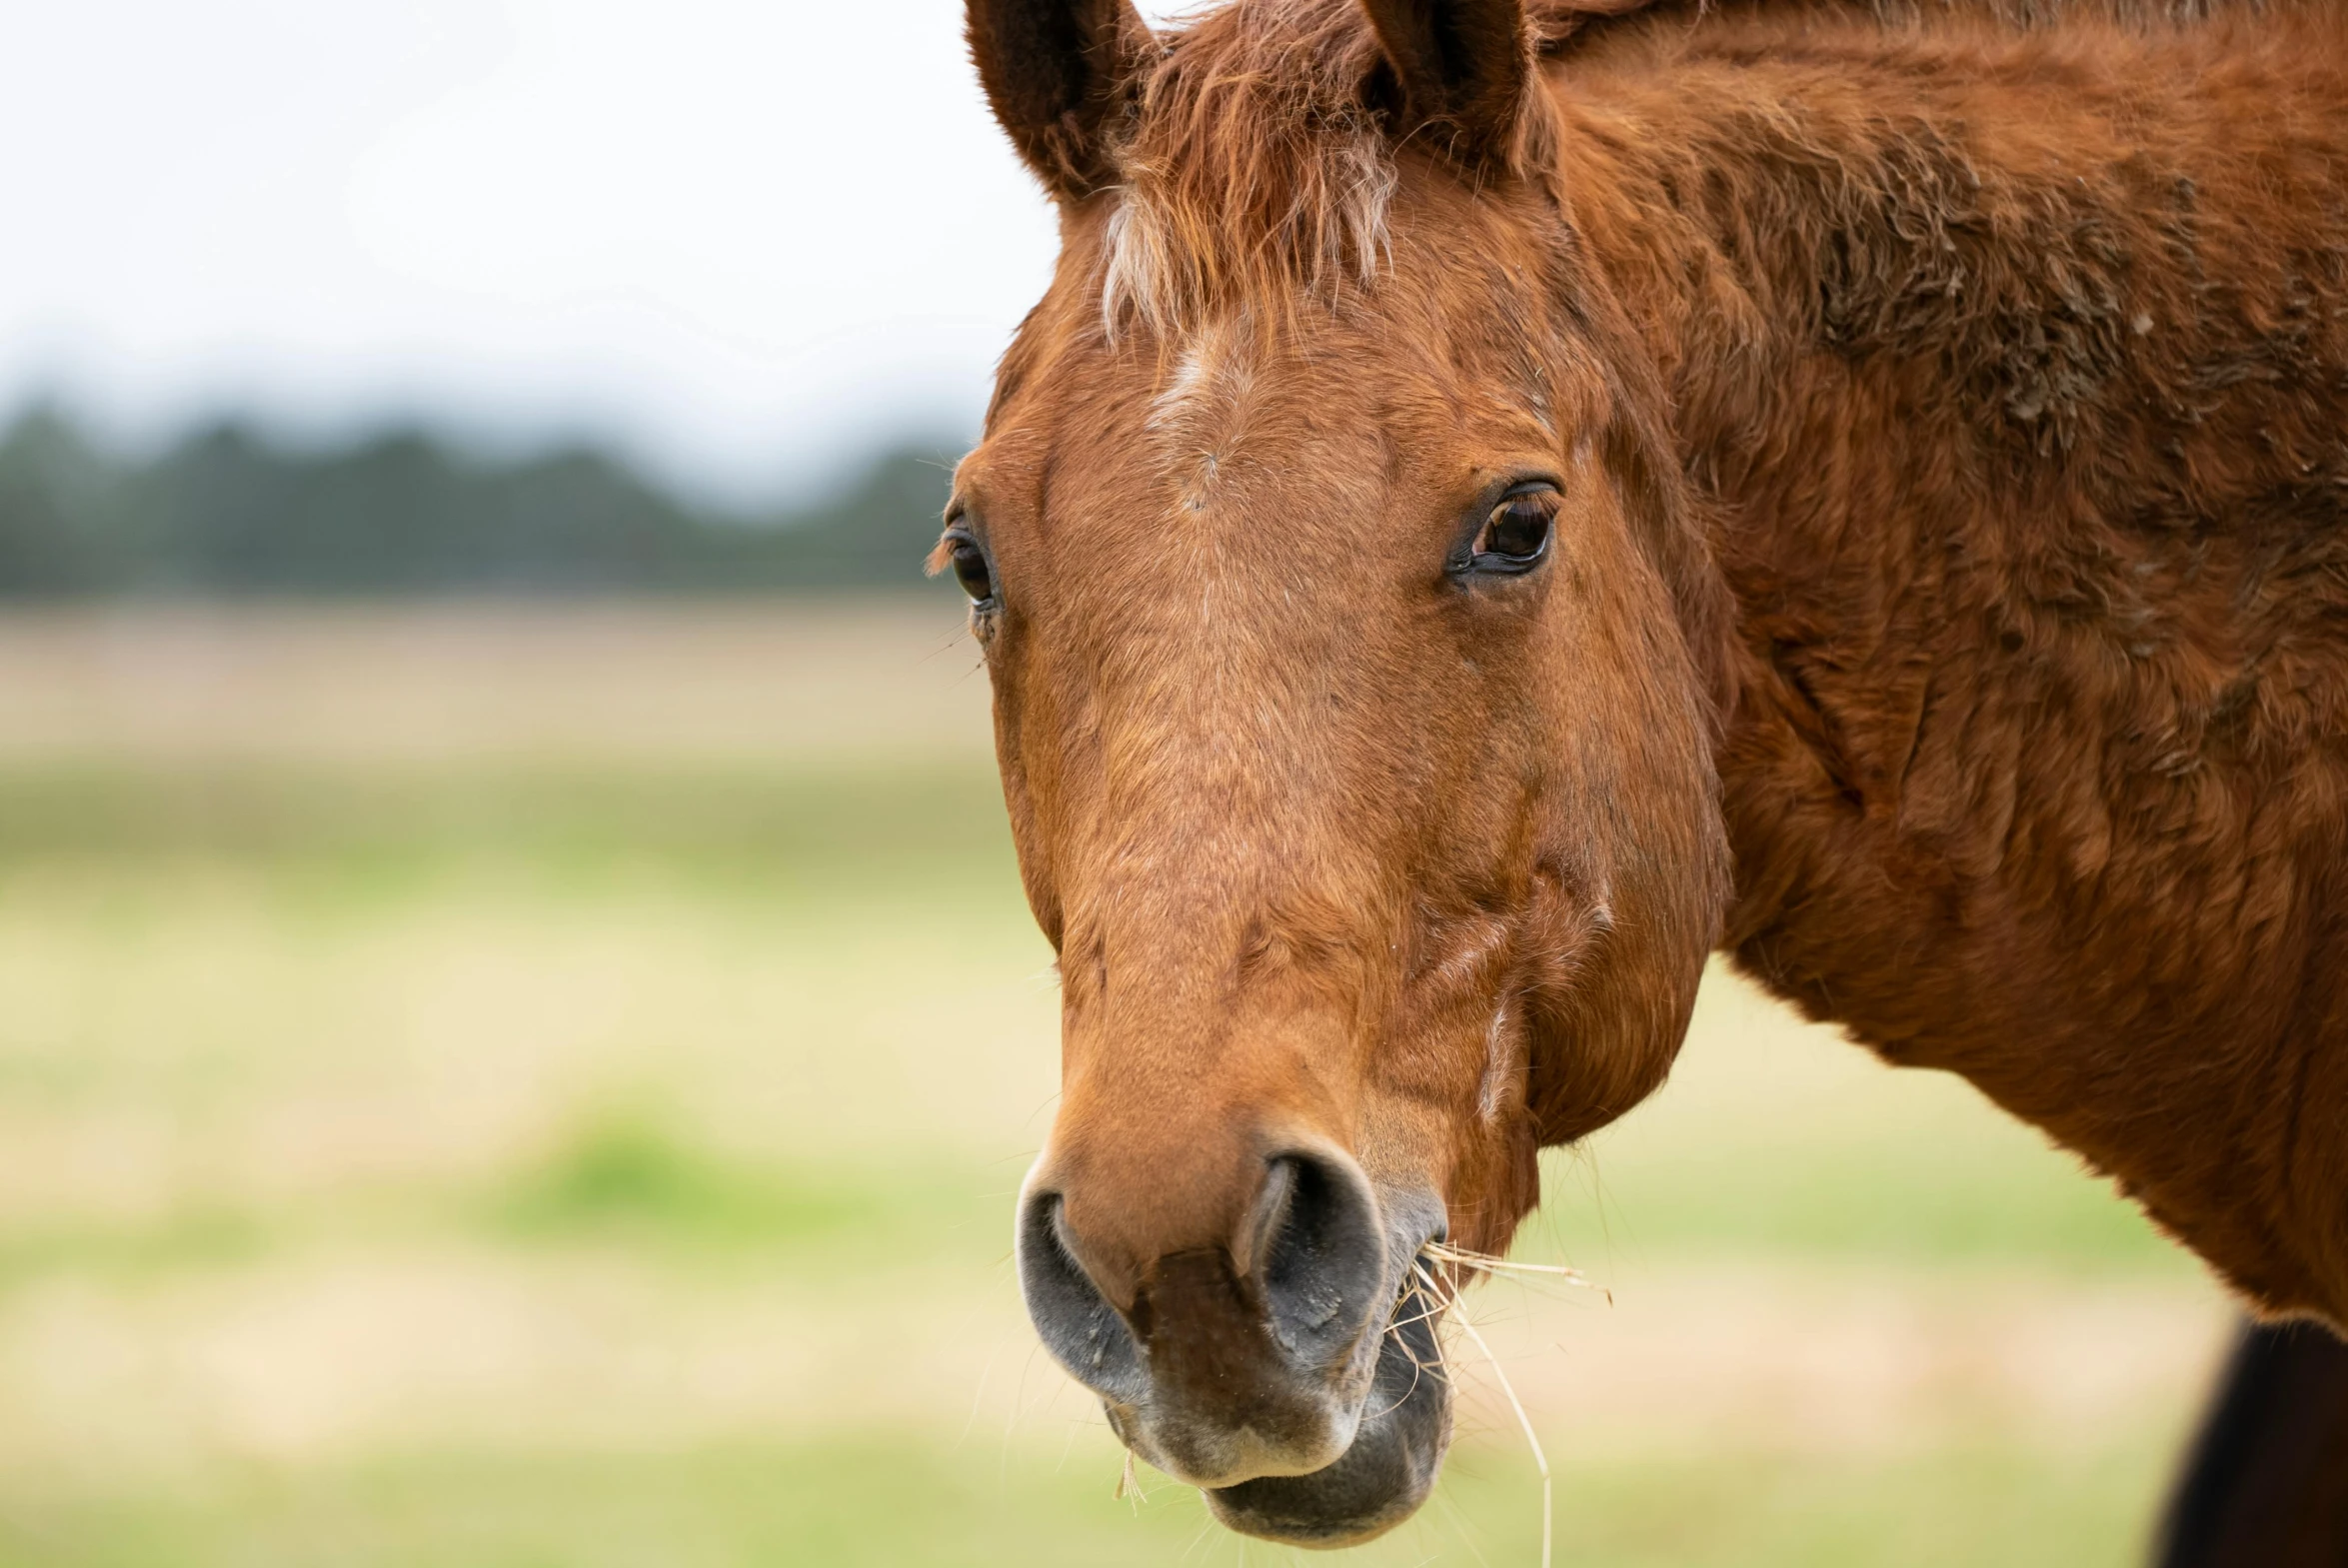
{"x":2009,"y":375}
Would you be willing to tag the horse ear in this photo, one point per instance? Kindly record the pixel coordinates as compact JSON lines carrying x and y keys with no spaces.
{"x":1461,"y":68}
{"x":1057,"y":73}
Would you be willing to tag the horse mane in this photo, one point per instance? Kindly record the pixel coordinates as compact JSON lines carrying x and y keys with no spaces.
{"x":1254,"y":164}
{"x":1558,"y":23}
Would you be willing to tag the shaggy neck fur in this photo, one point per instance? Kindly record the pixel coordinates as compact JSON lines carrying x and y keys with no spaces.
{"x":2018,"y":410}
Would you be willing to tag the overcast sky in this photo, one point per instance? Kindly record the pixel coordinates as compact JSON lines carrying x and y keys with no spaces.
{"x":746,"y":238}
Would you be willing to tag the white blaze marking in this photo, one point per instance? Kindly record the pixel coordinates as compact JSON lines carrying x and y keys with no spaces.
{"x":1200,"y":412}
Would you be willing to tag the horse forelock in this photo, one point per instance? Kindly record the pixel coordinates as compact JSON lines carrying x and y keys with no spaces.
{"x":1252,"y":173}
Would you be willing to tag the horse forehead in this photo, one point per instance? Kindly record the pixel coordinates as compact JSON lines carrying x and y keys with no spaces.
{"x":1225,"y":391}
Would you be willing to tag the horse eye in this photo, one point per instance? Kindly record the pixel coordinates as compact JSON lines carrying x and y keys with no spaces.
{"x":970,"y":568}
{"x":1516,"y":533}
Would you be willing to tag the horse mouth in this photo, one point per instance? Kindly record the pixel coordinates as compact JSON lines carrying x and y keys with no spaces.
{"x":1390,"y":1466}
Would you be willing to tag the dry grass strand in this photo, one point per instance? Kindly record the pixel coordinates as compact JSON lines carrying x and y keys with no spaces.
{"x":1540,"y":1458}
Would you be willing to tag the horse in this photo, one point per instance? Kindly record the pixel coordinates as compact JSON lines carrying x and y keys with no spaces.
{"x":1501,"y":499}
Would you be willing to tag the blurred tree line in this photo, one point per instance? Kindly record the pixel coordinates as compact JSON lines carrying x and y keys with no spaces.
{"x":227,"y":511}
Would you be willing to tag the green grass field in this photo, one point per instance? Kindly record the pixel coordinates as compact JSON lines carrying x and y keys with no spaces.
{"x":540,"y":1088}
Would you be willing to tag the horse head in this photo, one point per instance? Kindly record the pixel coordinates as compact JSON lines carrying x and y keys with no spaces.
{"x":1354,"y":666}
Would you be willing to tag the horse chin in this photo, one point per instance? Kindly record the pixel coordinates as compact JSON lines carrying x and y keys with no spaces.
{"x":1388,"y":1471}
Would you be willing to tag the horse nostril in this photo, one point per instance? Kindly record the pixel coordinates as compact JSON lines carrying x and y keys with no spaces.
{"x":1290,"y":1292}
{"x":1318,"y":1254}
{"x":1075,"y":1321}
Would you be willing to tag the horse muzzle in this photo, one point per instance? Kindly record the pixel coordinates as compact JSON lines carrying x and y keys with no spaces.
{"x":1292,"y":1373}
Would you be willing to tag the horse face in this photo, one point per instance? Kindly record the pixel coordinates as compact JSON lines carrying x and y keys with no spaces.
{"x":1358,"y":769}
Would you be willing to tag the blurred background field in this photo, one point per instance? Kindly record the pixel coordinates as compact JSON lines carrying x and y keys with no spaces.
{"x":542,"y":1083}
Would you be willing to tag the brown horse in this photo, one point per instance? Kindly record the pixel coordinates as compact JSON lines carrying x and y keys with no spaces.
{"x":1497,"y":502}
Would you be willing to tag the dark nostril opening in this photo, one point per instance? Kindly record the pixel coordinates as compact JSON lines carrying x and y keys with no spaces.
{"x":1320,"y":1255}
{"x":1075,"y":1320}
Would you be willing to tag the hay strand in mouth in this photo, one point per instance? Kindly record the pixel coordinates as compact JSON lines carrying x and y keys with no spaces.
{"x":1485,"y":1263}
{"x":1539,"y":1459}
{"x":1418,"y":1368}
